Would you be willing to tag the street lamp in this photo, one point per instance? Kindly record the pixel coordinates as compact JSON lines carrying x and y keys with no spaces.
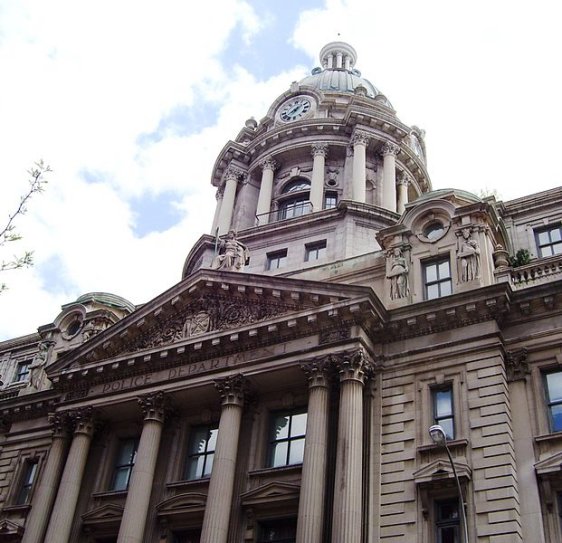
{"x":439,"y":437}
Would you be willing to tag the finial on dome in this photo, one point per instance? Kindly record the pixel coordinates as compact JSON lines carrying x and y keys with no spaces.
{"x":338,"y":55}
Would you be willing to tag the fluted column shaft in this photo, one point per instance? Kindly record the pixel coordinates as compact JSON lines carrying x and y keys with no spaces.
{"x":142,"y":476}
{"x":69,"y":489}
{"x":266,"y":191}
{"x":319,"y":151}
{"x":216,"y":217}
{"x":227,"y":207}
{"x":46,"y":491}
{"x":403,"y":183}
{"x":360,"y":142}
{"x":389,"y":152}
{"x":348,"y":488}
{"x":313,"y":480}
{"x":221,"y":485}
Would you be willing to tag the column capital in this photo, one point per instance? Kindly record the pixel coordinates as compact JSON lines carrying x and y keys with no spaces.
{"x":390,"y":148}
{"x":154,"y":406}
{"x":517,"y":365}
{"x":268,"y":164}
{"x":403,"y":179}
{"x":360,"y":137}
{"x":219,"y":194}
{"x":354,"y":366}
{"x":319,"y":149}
{"x":317,"y":372}
{"x":232,"y":389}
{"x":83,"y":420}
{"x":60,"y":423}
{"x":233,"y":172}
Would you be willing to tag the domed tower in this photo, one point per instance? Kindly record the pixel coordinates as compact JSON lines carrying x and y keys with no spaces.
{"x":327,"y":168}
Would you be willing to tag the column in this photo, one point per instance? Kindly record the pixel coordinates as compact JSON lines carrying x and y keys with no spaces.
{"x":266,"y":190}
{"x":348,"y":488}
{"x":221,"y":485}
{"x":403,"y":182}
{"x":218,"y":197}
{"x":339,"y":57}
{"x":227,"y":207}
{"x":319,"y":151}
{"x":69,"y":488}
{"x":140,"y":487}
{"x":389,"y":153}
{"x":313,"y":480}
{"x":46,"y":490}
{"x":360,"y":141}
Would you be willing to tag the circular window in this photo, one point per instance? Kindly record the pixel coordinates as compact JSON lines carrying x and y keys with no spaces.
{"x":434,"y":230}
{"x":73,"y":328}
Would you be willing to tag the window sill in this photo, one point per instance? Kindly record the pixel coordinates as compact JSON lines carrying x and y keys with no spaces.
{"x":453,"y":444}
{"x":110,"y":494}
{"x":293,"y":468}
{"x":554,"y":436}
{"x":22,"y":508}
{"x":189,"y":483}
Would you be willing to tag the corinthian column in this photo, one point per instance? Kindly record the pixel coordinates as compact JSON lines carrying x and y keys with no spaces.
{"x":266,"y":190}
{"x":389,"y":153}
{"x":140,"y":487}
{"x":221,"y":485}
{"x":348,"y":488}
{"x":227,"y":207}
{"x":313,"y":480}
{"x":69,"y":488}
{"x":218,"y":196}
{"x":319,"y":151}
{"x":360,"y":141}
{"x":46,"y":491}
{"x":403,"y":182}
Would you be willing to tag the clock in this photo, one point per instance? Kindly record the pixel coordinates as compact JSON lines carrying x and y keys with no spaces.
{"x":294,"y":109}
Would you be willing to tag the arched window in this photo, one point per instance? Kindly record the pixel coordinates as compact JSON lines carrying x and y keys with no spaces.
{"x":297,"y":201}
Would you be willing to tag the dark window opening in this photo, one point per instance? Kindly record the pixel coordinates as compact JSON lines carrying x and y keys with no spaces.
{"x":126,"y":456}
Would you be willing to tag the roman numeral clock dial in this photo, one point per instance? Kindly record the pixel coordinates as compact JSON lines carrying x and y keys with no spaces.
{"x":294,"y":109}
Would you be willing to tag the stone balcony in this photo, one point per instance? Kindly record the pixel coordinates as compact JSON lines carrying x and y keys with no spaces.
{"x":539,"y":271}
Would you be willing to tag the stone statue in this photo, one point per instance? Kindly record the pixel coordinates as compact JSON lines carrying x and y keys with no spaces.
{"x":36,"y":367}
{"x":232,"y":254}
{"x":469,"y":257}
{"x":398,"y":275}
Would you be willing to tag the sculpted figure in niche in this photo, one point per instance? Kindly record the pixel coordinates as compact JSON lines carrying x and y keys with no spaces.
{"x":468,"y":256}
{"x":36,"y":367}
{"x":398,"y":275}
{"x":232,"y":254}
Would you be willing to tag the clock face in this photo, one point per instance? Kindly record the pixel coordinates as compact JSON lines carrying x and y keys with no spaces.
{"x":294,"y":109}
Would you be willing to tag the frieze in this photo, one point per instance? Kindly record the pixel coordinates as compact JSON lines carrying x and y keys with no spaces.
{"x":206,"y":315}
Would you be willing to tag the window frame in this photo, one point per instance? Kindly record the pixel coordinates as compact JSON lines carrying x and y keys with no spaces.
{"x":271,"y":523}
{"x":439,"y":281}
{"x":548,"y":230}
{"x":279,"y":256}
{"x":551,"y":403}
{"x":26,"y":481}
{"x":130,"y":464}
{"x":23,"y":376}
{"x":438,"y":419}
{"x":315,"y":248}
{"x":290,"y":439}
{"x":439,"y":524}
{"x":191,"y":456}
{"x":328,"y":196}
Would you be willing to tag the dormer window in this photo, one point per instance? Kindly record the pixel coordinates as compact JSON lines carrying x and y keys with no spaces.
{"x":297,"y":201}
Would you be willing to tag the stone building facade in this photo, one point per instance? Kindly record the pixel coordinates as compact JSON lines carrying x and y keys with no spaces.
{"x":282,"y":391}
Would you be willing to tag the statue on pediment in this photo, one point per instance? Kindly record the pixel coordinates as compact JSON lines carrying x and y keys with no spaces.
{"x":232,"y":255}
{"x":469,"y":257}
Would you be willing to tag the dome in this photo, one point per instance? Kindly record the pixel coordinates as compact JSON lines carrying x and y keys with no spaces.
{"x":108,"y":299}
{"x":338,"y":74}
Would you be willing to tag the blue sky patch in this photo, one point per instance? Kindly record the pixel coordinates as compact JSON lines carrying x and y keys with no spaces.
{"x":53,"y":276}
{"x":154,"y":213}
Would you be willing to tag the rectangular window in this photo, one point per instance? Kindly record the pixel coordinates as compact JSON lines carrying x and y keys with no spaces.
{"x":549,"y":241}
{"x":126,"y":456}
{"x":28,"y":476}
{"x":315,"y":251}
{"x":447,"y":522}
{"x":437,"y":278}
{"x":189,"y":536}
{"x":330,"y":200}
{"x":278,"y":531}
{"x":22,"y":371}
{"x":201,"y":452}
{"x":443,"y":410}
{"x":286,"y":439}
{"x":553,"y":383}
{"x":276,"y":260}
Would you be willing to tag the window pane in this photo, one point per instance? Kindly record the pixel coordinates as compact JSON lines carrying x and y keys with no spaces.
{"x":554,"y":384}
{"x":557,"y":248}
{"x":556,"y":411}
{"x":546,"y":250}
{"x":126,"y":452}
{"x":543,"y":238}
{"x":121,"y":480}
{"x":448,"y":427}
{"x":556,"y":235}
{"x":431,"y":273}
{"x":445,"y":288}
{"x":280,"y":427}
{"x":443,"y":403}
{"x":298,"y":425}
{"x":444,"y":270}
{"x":208,"y":465}
{"x":212,"y":444}
{"x":432,"y":292}
{"x":199,"y":439}
{"x":297,"y":451}
{"x":279,"y":454}
{"x":448,"y":535}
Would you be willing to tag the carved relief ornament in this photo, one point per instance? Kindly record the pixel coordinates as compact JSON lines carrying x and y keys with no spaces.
{"x":268,"y":164}
{"x":517,"y":367}
{"x":390,"y":148}
{"x":154,"y":406}
{"x":319,"y":149}
{"x":360,"y":138}
{"x":232,"y":389}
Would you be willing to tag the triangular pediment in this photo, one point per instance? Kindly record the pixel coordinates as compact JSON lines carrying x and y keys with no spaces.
{"x":10,"y":529}
{"x":439,"y":470}
{"x":206,"y":306}
{"x":105,"y":513}
{"x":550,"y":465}
{"x":182,"y":503}
{"x":275,"y":491}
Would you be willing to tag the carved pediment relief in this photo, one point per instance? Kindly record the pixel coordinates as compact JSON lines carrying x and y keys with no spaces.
{"x":551,"y":465}
{"x":10,"y":531}
{"x":271,"y":492}
{"x":439,"y":470}
{"x":106,"y":513}
{"x":182,"y":502}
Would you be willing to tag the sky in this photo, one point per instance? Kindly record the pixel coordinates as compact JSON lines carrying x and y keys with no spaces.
{"x":130,"y":101}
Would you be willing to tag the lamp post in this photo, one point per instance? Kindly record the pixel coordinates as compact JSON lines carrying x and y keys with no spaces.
{"x":439,"y":437}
